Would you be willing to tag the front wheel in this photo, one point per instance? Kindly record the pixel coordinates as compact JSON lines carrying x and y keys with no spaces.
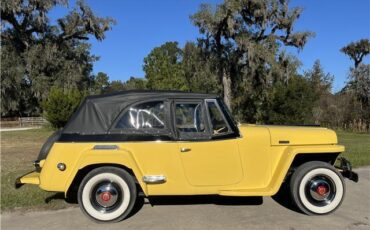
{"x":107,"y":194}
{"x":317,"y":188}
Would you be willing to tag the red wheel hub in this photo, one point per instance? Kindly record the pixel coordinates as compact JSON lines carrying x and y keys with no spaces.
{"x":106,"y":196}
{"x":321,"y":190}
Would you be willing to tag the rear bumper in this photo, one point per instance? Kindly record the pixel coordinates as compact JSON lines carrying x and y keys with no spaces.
{"x":28,"y":178}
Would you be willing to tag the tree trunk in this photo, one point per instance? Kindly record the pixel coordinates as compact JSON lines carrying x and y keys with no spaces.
{"x":226,"y":84}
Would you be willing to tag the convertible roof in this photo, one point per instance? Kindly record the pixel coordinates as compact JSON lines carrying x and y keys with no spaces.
{"x":97,"y":113}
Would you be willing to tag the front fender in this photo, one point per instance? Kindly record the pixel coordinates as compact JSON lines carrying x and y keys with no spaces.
{"x":288,"y":156}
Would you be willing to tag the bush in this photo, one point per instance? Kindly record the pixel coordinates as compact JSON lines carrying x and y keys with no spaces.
{"x":60,"y":105}
{"x":293,"y":103}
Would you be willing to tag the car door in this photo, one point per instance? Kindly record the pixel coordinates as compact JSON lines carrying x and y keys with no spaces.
{"x":209,"y":155}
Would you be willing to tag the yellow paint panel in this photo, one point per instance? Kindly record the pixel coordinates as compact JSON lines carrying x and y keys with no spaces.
{"x":302,"y":135}
{"x":211,"y":163}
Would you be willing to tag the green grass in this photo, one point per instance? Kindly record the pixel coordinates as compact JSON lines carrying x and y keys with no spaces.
{"x":19,"y":149}
{"x":357,"y":147}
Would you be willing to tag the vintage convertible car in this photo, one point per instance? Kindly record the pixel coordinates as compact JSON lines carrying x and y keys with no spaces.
{"x":174,"y":143}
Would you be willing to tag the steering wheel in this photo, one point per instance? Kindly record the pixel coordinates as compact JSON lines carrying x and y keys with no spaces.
{"x":218,"y":131}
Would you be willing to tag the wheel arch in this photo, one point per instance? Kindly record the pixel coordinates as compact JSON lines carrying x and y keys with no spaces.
{"x":71,"y":192}
{"x":302,"y":158}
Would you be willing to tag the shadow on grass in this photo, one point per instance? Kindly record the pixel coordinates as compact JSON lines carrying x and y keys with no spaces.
{"x":60,"y":196}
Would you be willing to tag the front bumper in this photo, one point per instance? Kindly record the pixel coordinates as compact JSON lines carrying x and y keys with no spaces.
{"x":28,"y":178}
{"x":345,"y":168}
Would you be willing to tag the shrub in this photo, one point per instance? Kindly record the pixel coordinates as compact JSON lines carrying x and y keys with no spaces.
{"x":60,"y":105}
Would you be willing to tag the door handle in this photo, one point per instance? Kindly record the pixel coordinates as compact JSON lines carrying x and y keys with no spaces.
{"x":184,"y":150}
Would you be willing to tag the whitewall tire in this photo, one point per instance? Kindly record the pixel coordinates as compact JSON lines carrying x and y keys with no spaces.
{"x":107,"y":194}
{"x":317,"y":188}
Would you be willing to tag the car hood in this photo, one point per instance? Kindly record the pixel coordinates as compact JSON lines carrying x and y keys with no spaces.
{"x":295,"y":135}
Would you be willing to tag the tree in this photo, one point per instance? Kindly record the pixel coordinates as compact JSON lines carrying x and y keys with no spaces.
{"x":163,"y":68}
{"x":45,"y":54}
{"x":100,"y":83}
{"x":60,"y":105}
{"x":249,"y":105}
{"x":292,"y":103}
{"x":14,"y":91}
{"x":320,"y":81}
{"x":249,"y":33}
{"x":131,"y":84}
{"x":199,"y":70}
{"x":357,"y":50}
{"x":135,"y":83}
{"x":320,"y":85}
{"x":175,"y":68}
{"x":115,"y":86}
{"x":359,"y":87}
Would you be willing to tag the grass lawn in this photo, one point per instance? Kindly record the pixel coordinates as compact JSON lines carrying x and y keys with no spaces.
{"x":357,"y":147}
{"x":19,"y":149}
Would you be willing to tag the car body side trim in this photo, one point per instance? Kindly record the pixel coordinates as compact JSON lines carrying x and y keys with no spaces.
{"x":105,"y":147}
{"x":154,"y":179}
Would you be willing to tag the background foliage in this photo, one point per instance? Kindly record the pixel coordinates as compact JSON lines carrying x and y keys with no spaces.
{"x":240,"y":54}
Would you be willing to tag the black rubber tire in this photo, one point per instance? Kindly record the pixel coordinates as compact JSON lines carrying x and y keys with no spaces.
{"x":299,"y":175}
{"x":128,"y":179}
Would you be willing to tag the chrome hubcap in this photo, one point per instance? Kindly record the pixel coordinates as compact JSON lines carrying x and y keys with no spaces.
{"x":320,"y":190}
{"x":106,"y":196}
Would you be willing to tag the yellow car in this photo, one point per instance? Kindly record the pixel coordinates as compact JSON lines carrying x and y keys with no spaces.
{"x":174,"y":143}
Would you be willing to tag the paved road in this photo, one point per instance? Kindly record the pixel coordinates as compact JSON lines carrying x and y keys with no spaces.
{"x":212,"y":212}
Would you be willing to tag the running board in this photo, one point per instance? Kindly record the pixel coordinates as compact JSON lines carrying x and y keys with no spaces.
{"x":246,"y":192}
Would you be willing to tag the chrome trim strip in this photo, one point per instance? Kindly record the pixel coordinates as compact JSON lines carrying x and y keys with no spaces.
{"x":105,"y":147}
{"x":154,"y":179}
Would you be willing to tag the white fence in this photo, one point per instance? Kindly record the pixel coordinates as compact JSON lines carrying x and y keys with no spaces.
{"x":23,"y":122}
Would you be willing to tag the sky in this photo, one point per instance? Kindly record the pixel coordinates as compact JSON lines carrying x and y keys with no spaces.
{"x":145,"y":24}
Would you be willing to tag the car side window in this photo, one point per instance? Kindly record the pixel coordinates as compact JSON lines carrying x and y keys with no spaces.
{"x":189,"y":118}
{"x":218,"y":121}
{"x":149,"y":115}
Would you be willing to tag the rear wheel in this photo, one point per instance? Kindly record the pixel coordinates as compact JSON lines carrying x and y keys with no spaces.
{"x":107,"y":194}
{"x":317,"y":188}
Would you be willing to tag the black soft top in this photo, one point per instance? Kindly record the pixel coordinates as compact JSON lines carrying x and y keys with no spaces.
{"x":97,"y":113}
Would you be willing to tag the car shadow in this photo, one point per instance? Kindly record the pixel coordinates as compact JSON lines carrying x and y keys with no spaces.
{"x":204,"y":199}
{"x":60,"y":196}
{"x":140,"y":201}
{"x":283,"y":198}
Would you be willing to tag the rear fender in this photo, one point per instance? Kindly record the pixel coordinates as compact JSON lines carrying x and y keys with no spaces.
{"x":100,"y":156}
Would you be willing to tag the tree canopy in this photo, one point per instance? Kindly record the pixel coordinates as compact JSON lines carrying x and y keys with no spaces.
{"x":163,"y":68}
{"x":39,"y":54}
{"x":246,"y":36}
{"x":357,"y":50}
